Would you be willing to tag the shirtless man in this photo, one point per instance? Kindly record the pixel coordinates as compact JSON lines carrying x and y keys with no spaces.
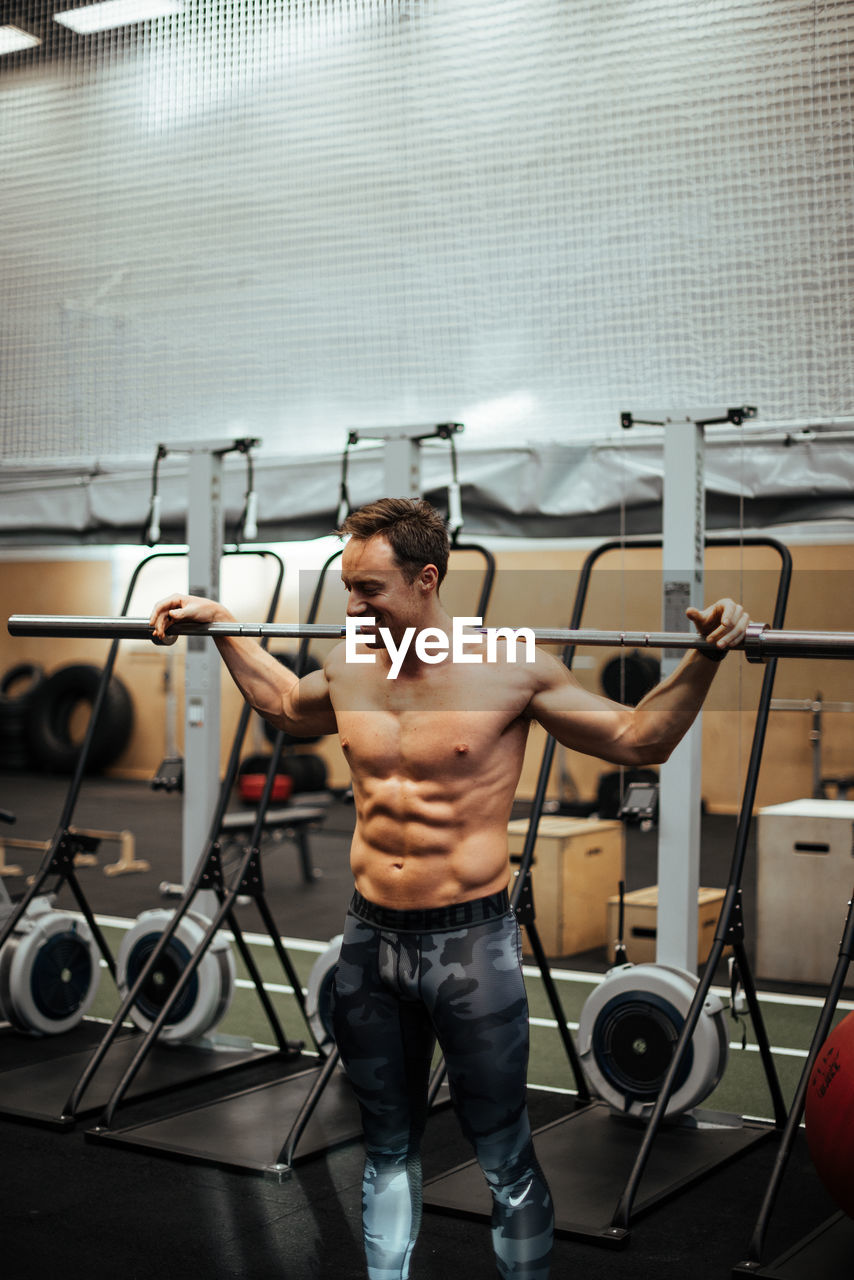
{"x":431,"y":946}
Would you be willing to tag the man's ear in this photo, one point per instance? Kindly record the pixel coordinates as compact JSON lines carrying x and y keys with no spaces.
{"x":428,"y":578}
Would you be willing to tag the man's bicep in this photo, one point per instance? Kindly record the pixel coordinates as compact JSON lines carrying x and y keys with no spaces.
{"x":307,"y":706}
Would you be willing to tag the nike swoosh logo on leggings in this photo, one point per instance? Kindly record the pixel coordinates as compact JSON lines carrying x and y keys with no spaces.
{"x":515,"y":1201}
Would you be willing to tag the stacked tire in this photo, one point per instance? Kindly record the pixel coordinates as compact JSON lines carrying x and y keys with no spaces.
{"x":19,"y":689}
{"x":41,"y":718}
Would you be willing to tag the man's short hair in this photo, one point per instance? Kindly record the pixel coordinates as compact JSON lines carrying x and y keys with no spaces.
{"x":415,"y":531}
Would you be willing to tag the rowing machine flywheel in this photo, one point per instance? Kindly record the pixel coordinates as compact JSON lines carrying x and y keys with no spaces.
{"x":49,"y":970}
{"x":318,"y":1001}
{"x":627,"y":1036}
{"x":207,"y":995}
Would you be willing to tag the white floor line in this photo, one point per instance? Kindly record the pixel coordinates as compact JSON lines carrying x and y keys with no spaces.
{"x":245,"y":984}
{"x":278,"y":988}
{"x":254,"y":939}
{"x":309,"y":945}
{"x":113,"y":922}
{"x":550,"y":1024}
{"x":804,"y":1002}
{"x":766,"y":997}
{"x":565,"y":975}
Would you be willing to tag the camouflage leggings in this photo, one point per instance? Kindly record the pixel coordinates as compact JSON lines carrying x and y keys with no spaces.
{"x":405,"y":979}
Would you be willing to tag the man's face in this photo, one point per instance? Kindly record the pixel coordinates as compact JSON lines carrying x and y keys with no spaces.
{"x":377,"y":588}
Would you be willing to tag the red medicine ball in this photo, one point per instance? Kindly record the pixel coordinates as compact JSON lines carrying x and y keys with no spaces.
{"x":829,"y":1114}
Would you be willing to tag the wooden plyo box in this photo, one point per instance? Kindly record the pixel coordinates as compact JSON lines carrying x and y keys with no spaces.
{"x":578,"y":862}
{"x":805,"y":873}
{"x":640,"y":923}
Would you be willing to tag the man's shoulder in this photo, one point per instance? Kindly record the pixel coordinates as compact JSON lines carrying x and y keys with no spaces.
{"x":335,"y":661}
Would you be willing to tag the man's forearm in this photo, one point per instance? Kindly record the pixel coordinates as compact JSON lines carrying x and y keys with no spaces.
{"x":663,"y":717}
{"x":261,"y":679}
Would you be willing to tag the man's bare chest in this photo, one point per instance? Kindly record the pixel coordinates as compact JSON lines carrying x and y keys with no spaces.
{"x":427,"y":727}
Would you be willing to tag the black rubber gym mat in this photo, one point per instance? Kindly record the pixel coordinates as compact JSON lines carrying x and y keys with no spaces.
{"x":587,"y":1157}
{"x":247,"y":1129}
{"x":39,"y":1091}
{"x":827,"y":1251}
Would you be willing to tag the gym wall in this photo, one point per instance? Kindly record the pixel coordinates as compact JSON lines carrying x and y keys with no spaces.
{"x":287,"y":217}
{"x":533,"y":587}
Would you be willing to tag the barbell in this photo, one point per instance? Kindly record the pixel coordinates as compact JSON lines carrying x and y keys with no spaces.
{"x":759,"y":642}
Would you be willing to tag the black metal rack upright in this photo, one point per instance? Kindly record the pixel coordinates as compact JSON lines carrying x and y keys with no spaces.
{"x":586,"y":1154}
{"x":52,"y":1092}
{"x":313,"y":1108}
{"x":830,"y":1248}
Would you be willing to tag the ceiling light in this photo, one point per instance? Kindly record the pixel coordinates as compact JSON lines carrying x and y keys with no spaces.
{"x":115,"y":13}
{"x":12,"y":39}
